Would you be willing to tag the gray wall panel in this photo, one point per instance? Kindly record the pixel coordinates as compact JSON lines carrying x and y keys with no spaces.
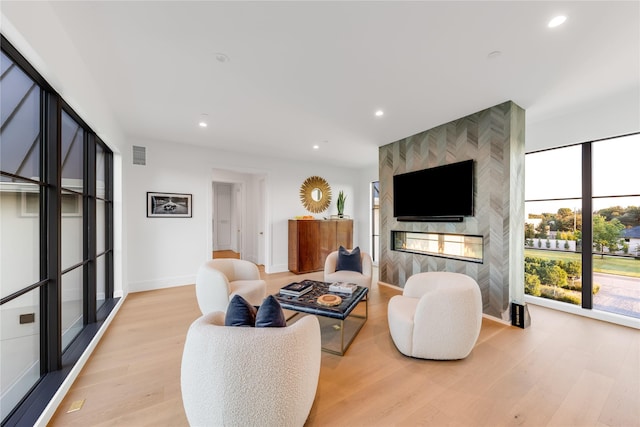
{"x":494,"y":138}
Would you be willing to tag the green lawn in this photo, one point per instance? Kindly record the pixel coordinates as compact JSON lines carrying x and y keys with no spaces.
{"x":610,"y":265}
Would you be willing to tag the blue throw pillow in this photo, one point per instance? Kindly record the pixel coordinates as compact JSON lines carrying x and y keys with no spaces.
{"x":270,"y":314}
{"x":240,"y":313}
{"x":349,"y":260}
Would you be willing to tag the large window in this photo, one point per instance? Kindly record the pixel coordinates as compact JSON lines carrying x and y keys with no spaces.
{"x":582,"y":225}
{"x":375,"y":221}
{"x":616,"y":225}
{"x":55,"y":276}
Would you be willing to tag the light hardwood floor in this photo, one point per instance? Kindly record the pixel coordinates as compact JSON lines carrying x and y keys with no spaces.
{"x":225,"y":254}
{"x":563,"y":370}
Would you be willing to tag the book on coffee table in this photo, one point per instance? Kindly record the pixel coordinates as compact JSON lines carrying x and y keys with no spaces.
{"x":343,"y":287}
{"x":297,"y":288}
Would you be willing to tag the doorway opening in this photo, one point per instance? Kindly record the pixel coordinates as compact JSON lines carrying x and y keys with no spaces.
{"x":238,"y":216}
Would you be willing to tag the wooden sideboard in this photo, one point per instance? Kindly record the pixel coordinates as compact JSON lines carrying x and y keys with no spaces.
{"x":311,"y":240}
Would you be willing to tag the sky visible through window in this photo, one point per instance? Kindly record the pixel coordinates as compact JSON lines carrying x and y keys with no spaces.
{"x":556,"y":174}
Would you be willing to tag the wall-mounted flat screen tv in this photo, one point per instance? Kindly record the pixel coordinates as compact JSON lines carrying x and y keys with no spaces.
{"x":441,"y":193}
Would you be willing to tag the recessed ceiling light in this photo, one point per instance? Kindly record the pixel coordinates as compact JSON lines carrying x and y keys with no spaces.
{"x":203,"y":121}
{"x":316,"y":147}
{"x":379,"y":113}
{"x":558,"y":20}
{"x":222,"y":57}
{"x":202,"y":124}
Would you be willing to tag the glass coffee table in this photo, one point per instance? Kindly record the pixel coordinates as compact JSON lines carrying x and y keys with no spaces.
{"x":339,"y":324}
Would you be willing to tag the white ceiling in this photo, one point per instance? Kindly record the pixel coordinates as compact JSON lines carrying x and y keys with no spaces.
{"x":305,"y":73}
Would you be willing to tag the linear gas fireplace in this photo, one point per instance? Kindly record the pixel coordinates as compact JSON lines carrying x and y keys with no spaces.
{"x":455,"y":246}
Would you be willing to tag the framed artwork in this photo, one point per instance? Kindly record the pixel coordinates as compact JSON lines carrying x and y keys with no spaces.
{"x":168,"y":205}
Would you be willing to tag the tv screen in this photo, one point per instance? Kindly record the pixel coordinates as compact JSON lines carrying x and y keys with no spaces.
{"x":441,"y":193}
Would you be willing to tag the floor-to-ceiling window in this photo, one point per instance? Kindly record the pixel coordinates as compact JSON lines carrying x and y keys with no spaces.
{"x":21,"y":193}
{"x":616,"y":225}
{"x":582,"y":225}
{"x":72,"y":232}
{"x":375,"y":221}
{"x":56,"y":259}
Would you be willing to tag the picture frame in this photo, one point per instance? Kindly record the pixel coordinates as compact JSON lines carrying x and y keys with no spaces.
{"x":168,"y":205}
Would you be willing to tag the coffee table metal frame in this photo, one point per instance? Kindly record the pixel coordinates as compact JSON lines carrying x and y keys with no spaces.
{"x":307,"y":304}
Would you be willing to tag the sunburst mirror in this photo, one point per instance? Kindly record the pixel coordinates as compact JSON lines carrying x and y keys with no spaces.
{"x":315,"y":194}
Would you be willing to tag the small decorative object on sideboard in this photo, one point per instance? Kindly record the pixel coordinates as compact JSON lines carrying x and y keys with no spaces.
{"x":297,"y":289}
{"x":343,"y":287}
{"x":340,"y":203}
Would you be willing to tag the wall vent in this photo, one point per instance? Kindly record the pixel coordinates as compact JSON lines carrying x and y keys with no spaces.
{"x":139,"y":155}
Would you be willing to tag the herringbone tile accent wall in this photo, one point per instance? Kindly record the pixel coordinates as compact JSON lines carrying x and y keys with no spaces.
{"x":494,"y":139}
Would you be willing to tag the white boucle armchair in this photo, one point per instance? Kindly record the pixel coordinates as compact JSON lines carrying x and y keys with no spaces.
{"x":218,"y":280}
{"x":246,"y":376}
{"x":361,"y":279}
{"x":438,"y":316}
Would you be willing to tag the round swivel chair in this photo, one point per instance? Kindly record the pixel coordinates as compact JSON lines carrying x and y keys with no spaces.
{"x":249,"y":376}
{"x":438,"y":316}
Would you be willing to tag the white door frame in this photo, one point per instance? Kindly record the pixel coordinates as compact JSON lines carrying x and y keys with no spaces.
{"x":250,"y":182}
{"x":261,"y":221}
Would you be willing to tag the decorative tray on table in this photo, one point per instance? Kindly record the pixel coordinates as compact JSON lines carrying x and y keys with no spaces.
{"x":329,"y":300}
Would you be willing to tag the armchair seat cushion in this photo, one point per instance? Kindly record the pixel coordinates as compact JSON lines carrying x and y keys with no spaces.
{"x":252,"y":290}
{"x":349,"y":277}
{"x":219,"y":280}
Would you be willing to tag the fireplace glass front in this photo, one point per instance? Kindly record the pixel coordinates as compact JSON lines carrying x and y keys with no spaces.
{"x":456,"y":246}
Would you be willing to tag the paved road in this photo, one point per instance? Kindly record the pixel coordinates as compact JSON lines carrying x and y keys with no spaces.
{"x":618,"y":294}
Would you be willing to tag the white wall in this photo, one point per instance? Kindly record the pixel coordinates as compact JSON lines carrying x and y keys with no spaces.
{"x":165,"y":252}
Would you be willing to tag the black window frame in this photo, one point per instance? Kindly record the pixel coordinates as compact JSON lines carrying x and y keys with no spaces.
{"x":587,"y":213}
{"x":56,"y":363}
{"x":375,"y":235}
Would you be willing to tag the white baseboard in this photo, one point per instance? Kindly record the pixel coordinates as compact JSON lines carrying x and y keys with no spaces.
{"x":389,"y":285}
{"x":170,"y":282}
{"x":593,"y":314}
{"x":278,"y":268}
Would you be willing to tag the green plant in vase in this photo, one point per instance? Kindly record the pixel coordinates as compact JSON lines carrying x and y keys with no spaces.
{"x":340,"y":203}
